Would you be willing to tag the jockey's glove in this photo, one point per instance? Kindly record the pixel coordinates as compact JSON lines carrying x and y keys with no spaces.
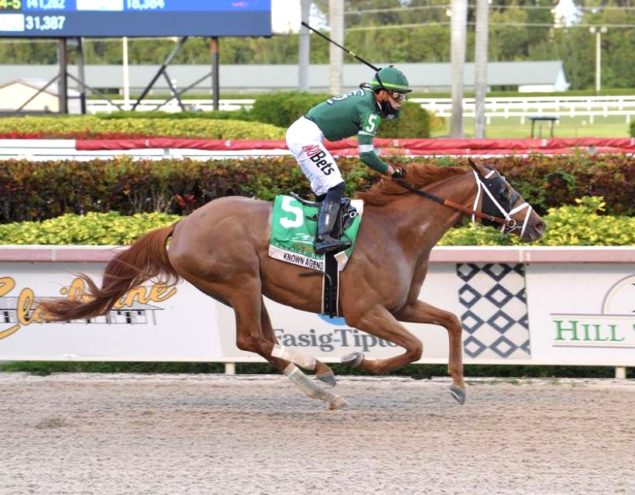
{"x":398,"y":173}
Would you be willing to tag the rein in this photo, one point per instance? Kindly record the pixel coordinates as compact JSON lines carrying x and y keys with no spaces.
{"x":509,"y":222}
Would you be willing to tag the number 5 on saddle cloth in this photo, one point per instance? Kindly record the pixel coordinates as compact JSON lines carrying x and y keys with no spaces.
{"x":293,"y":233}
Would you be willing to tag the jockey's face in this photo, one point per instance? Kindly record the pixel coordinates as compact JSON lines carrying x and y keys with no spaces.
{"x":392,"y":97}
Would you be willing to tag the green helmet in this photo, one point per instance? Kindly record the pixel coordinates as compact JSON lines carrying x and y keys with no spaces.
{"x":391,"y":79}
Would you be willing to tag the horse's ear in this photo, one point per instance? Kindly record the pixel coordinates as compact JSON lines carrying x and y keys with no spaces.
{"x":475,"y":167}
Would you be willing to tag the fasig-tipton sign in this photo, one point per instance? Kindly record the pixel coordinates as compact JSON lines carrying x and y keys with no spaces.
{"x":517,"y":306}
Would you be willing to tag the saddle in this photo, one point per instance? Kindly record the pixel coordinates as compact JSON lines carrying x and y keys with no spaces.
{"x":292,"y":241}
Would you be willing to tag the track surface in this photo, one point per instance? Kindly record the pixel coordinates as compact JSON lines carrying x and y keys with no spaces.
{"x":212,"y":434}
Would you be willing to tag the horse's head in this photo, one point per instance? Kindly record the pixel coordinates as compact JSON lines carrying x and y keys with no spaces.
{"x":497,"y":198}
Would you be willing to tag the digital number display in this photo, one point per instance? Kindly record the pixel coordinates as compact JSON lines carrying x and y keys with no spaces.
{"x":44,"y":22}
{"x":44,"y":4}
{"x":100,"y":18}
{"x":10,"y":5}
{"x":145,"y":4}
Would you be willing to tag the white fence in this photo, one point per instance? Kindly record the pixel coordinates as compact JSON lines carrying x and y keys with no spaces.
{"x":529,"y":106}
{"x":95,"y":106}
{"x":508,"y":107}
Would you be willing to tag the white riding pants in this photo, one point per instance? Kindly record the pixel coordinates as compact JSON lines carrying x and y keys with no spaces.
{"x":304,"y":140}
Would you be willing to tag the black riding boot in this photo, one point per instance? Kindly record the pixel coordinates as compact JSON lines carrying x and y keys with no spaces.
{"x":325,"y":243}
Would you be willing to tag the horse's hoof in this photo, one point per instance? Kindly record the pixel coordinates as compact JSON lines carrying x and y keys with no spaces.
{"x":327,"y":378}
{"x":337,"y":403}
{"x":458,"y":393}
{"x":353,"y":360}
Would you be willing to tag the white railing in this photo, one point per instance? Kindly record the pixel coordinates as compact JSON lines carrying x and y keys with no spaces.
{"x":96,"y":106}
{"x":529,"y":106}
{"x":495,"y":107}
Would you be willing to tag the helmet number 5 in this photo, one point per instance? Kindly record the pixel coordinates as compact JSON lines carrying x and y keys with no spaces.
{"x":371,"y":123}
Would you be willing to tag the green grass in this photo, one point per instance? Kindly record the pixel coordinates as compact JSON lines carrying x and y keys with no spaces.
{"x":566,"y":127}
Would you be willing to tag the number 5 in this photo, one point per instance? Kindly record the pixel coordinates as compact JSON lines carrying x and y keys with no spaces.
{"x":371,"y":122}
{"x":294,"y":210}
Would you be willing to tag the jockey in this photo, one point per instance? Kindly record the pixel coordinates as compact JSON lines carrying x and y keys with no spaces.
{"x":358,"y":112}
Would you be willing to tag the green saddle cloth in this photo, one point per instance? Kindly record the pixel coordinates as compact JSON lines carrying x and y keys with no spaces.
{"x":293,"y":229}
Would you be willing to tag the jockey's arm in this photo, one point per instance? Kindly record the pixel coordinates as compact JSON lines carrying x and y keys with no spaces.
{"x":369,"y":157}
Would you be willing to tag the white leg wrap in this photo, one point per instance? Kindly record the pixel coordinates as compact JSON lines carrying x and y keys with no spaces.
{"x":302,"y":360}
{"x":308,"y":386}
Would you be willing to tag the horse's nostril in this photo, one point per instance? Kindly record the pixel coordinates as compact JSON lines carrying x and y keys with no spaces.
{"x":540,"y":227}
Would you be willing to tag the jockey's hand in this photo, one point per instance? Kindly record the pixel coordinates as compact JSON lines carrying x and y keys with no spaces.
{"x":398,"y":172}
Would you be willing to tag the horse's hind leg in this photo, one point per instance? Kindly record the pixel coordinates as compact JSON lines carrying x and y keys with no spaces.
{"x":421,"y":312}
{"x":321,"y":370}
{"x":250,"y":315}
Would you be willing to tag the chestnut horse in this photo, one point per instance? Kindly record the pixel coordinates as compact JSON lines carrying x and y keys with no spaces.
{"x":222,"y":249}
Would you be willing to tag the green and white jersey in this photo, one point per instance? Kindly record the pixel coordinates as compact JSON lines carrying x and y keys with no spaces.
{"x":352,"y":113}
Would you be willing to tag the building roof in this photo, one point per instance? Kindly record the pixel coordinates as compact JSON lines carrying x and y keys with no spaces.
{"x":239,"y":78}
{"x":34,"y":83}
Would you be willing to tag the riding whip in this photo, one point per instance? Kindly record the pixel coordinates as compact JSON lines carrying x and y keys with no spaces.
{"x":375,"y":68}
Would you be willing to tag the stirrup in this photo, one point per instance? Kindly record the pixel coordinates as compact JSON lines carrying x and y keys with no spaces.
{"x":305,"y":201}
{"x":330,"y":244}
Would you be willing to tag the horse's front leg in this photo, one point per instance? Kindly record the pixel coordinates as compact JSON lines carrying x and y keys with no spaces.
{"x":421,"y":312}
{"x":379,"y":322}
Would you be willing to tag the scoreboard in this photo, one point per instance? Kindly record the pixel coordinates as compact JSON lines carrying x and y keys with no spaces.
{"x":101,"y":18}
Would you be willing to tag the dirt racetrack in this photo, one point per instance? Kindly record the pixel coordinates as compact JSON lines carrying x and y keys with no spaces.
{"x":213,"y":434}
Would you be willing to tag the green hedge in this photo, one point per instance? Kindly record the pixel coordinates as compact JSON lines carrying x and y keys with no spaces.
{"x":633,"y":129}
{"x":584,"y":224}
{"x":93,"y":127}
{"x":98,"y":229}
{"x":240,"y":114}
{"x":551,"y":181}
{"x":413,"y":122}
{"x":579,"y":225}
{"x":282,"y":109}
{"x":268,"y":119}
{"x":40,"y":190}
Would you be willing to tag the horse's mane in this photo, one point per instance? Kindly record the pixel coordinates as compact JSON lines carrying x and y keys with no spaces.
{"x":417,"y":174}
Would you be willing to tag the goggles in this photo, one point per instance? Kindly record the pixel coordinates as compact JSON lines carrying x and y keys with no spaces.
{"x":397,"y":96}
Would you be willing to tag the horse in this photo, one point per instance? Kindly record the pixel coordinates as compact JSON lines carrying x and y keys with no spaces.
{"x":222,"y":249}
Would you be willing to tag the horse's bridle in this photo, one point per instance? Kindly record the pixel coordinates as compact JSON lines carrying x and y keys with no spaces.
{"x":490,"y":202}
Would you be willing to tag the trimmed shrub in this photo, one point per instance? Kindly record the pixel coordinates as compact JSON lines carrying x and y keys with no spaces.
{"x":413,"y":122}
{"x":93,"y":228}
{"x":240,"y":114}
{"x":579,"y":225}
{"x":40,"y":190}
{"x":278,"y":109}
{"x":92,"y":127}
{"x":552,"y":181}
{"x":282,"y":109}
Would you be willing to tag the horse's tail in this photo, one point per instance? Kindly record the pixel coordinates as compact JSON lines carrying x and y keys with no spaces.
{"x":146,"y":258}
